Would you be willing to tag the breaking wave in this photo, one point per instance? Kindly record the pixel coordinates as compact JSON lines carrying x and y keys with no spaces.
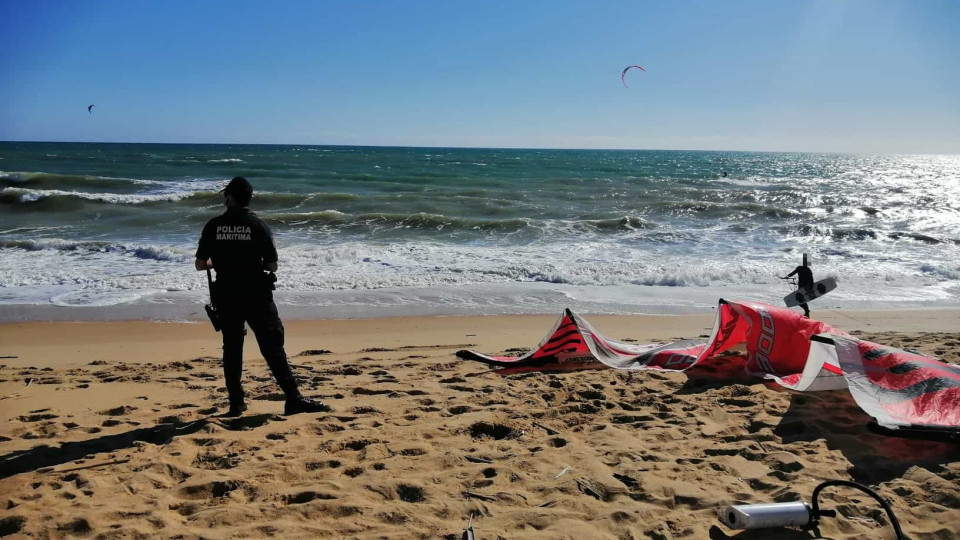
{"x":170,"y":193}
{"x":374,"y":222}
{"x":148,"y":252}
{"x":54,"y":180}
{"x":26,"y":196}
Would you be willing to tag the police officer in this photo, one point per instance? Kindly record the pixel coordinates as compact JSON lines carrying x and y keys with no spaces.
{"x":239,"y":246}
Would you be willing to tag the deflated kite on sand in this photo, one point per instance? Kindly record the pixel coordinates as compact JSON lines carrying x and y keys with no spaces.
{"x":902,"y":390}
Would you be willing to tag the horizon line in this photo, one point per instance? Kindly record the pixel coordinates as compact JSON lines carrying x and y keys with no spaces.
{"x":834,"y":152}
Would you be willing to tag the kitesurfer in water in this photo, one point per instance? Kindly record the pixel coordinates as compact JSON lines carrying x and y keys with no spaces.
{"x":804,"y":281}
{"x":239,"y":246}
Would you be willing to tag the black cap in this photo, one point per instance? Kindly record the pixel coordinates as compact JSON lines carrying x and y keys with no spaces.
{"x":240,"y":189}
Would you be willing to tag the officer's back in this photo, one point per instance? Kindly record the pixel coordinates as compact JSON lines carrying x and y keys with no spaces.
{"x":239,"y":244}
{"x":241,"y":247}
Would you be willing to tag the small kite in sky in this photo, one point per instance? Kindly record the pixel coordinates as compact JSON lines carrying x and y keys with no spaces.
{"x":624,"y":74}
{"x":90,"y":109}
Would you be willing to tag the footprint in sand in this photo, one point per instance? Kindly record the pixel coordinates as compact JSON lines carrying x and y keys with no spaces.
{"x":411,"y":494}
{"x":361,"y":391}
{"x":77,"y":527}
{"x":558,"y":442}
{"x":329,"y":464}
{"x":479,"y":430}
{"x":396,"y":518}
{"x":307,"y":496}
{"x":118,"y":411}
{"x":182,"y":406}
{"x":358,"y":444}
{"x":209,"y":490}
{"x":10,"y":525}
{"x":592,"y":395}
{"x":37,"y":417}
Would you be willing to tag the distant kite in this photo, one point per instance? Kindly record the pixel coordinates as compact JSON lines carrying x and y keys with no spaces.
{"x":90,"y":109}
{"x":624,"y":74}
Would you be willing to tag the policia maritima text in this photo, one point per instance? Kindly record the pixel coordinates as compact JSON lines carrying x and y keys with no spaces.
{"x":239,"y":247}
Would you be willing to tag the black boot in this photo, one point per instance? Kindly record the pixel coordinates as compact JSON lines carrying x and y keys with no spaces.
{"x":236,"y":409}
{"x":299,"y":404}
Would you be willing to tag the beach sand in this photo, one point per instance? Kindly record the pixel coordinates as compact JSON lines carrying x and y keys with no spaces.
{"x":110,"y":431}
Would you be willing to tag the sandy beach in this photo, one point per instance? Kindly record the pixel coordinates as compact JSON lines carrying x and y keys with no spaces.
{"x":111,"y":431}
{"x":546,"y":264}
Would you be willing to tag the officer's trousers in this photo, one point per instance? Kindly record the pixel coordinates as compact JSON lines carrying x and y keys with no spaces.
{"x":260,"y":313}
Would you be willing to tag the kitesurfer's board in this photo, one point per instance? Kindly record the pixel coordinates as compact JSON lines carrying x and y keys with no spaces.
{"x":802,"y":296}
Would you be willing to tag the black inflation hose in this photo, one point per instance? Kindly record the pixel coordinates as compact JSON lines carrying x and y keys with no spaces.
{"x":816,"y":512}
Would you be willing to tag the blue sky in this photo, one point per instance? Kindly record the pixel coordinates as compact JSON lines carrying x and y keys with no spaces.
{"x":860,"y":76}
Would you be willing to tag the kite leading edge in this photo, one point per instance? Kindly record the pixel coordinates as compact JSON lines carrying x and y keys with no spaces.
{"x":624,"y":74}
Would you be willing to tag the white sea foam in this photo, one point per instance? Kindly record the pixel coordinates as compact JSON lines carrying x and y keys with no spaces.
{"x":106,"y":273}
{"x":33,"y":195}
{"x":227,"y":160}
{"x":100,"y":297}
{"x":166,"y":194}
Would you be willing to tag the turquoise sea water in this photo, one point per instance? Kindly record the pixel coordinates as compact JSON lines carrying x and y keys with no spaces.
{"x":480,"y":230}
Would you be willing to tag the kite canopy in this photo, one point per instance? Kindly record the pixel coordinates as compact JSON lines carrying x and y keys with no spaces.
{"x":903,"y":391}
{"x":90,"y":109}
{"x":624,"y":74}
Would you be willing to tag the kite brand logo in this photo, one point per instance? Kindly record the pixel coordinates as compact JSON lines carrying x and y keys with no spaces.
{"x":765,"y":341}
{"x":675,"y":360}
{"x":576,"y":359}
{"x":233,"y":232}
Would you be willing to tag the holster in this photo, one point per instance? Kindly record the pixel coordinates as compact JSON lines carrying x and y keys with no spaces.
{"x":270,"y":281}
{"x":211,"y":308}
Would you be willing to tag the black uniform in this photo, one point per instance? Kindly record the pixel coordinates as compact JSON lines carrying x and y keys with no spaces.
{"x":240,"y":244}
{"x":804,"y":281}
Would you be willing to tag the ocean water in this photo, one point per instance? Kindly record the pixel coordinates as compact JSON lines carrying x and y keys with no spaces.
{"x":109,"y":230}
